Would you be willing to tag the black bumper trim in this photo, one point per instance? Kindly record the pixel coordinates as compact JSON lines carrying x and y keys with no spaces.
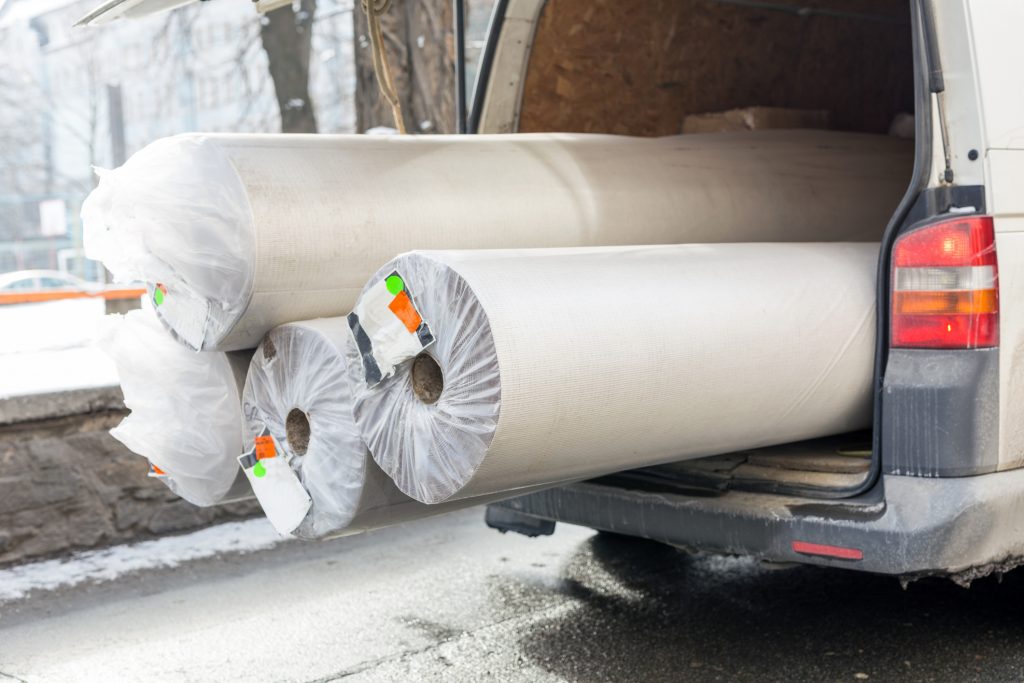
{"x":923,"y":526}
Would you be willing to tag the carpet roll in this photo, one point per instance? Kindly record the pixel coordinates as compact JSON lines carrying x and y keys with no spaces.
{"x":486,"y":371}
{"x":186,"y":415}
{"x":236,"y":234}
{"x":297,"y":393}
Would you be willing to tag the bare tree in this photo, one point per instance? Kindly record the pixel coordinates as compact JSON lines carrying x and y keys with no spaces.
{"x":287,"y":39}
{"x":30,"y":122}
{"x":22,"y":167}
{"x":421,"y":50}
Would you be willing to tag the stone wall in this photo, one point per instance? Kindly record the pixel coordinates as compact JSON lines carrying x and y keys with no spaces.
{"x":66,"y":484}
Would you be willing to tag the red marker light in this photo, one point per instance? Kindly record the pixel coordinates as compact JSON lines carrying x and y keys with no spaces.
{"x":833,"y":551}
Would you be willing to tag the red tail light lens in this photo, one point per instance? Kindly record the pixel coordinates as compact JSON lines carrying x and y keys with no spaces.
{"x":945,"y":286}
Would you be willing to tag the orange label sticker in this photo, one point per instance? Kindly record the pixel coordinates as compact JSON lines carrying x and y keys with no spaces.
{"x":265,"y":447}
{"x":402,"y":307}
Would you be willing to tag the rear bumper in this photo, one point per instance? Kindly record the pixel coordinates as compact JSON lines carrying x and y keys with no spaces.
{"x":966,"y":527}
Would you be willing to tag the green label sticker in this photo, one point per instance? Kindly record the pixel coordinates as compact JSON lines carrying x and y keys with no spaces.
{"x":258,"y":470}
{"x":158,"y":294}
{"x":394,"y":284}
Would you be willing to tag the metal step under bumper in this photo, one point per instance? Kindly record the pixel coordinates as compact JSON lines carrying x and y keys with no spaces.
{"x":908,"y":526}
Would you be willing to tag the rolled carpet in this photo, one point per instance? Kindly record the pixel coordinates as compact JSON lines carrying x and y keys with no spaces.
{"x":186,"y":415}
{"x":236,"y":234}
{"x":513,"y":368}
{"x":297,"y":393}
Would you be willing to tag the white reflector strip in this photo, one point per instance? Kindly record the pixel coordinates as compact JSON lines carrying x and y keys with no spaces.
{"x":945,"y":279}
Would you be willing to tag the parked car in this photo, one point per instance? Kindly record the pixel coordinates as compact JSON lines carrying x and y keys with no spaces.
{"x":39,"y":286}
{"x":45,"y":281}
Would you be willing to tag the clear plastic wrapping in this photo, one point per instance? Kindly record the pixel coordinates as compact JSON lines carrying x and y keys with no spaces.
{"x":429,"y":449}
{"x":186,"y":415}
{"x":298,"y":389}
{"x":554,"y":365}
{"x":177,"y":217}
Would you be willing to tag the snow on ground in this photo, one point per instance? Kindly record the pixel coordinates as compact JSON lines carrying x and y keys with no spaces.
{"x":110,"y":563}
{"x":48,"y":347}
{"x":49,"y":326}
{"x":48,"y":371}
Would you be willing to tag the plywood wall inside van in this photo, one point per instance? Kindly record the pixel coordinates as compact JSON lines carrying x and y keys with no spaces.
{"x":640,"y":67}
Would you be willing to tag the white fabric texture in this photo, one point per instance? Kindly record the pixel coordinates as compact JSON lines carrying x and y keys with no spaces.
{"x":186,"y":415}
{"x":246,"y":232}
{"x":562,"y":364}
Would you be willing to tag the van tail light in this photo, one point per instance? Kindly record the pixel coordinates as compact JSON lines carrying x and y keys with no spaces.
{"x":945,"y":292}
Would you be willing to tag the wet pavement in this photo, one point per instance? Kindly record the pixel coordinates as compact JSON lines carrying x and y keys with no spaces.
{"x":447,"y":599}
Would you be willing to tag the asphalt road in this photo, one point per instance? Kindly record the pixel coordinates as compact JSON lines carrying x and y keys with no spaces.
{"x":447,"y":599}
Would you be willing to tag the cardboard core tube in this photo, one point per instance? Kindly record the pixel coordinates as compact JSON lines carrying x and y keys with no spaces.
{"x":427,"y":378}
{"x":297,"y":431}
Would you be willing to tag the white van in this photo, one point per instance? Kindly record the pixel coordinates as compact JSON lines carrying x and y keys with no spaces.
{"x":937,"y":485}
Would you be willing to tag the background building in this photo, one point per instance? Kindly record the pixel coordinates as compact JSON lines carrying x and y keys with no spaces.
{"x":72,"y":98}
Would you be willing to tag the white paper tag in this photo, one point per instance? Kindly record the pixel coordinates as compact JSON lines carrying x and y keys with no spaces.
{"x":281,"y":495}
{"x":388,"y":328}
{"x":184,"y":313}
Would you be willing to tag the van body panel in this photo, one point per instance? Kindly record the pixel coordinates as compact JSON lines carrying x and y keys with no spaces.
{"x":1005,"y":170}
{"x":937,"y":423}
{"x":961,"y":98}
{"x":994,"y":26}
{"x":1010,"y":251}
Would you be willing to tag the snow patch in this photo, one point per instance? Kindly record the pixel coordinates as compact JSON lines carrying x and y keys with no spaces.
{"x":23,"y":374}
{"x":49,"y":326}
{"x":46,"y":347}
{"x":163,"y":553}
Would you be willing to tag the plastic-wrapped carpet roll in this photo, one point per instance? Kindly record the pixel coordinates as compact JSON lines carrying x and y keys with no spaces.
{"x":548,"y":365}
{"x":298,"y":390}
{"x":236,"y":234}
{"x":186,"y":414}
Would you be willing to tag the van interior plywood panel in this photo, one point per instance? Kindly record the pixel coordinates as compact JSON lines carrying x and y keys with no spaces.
{"x":639,"y":68}
{"x":834,"y":462}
